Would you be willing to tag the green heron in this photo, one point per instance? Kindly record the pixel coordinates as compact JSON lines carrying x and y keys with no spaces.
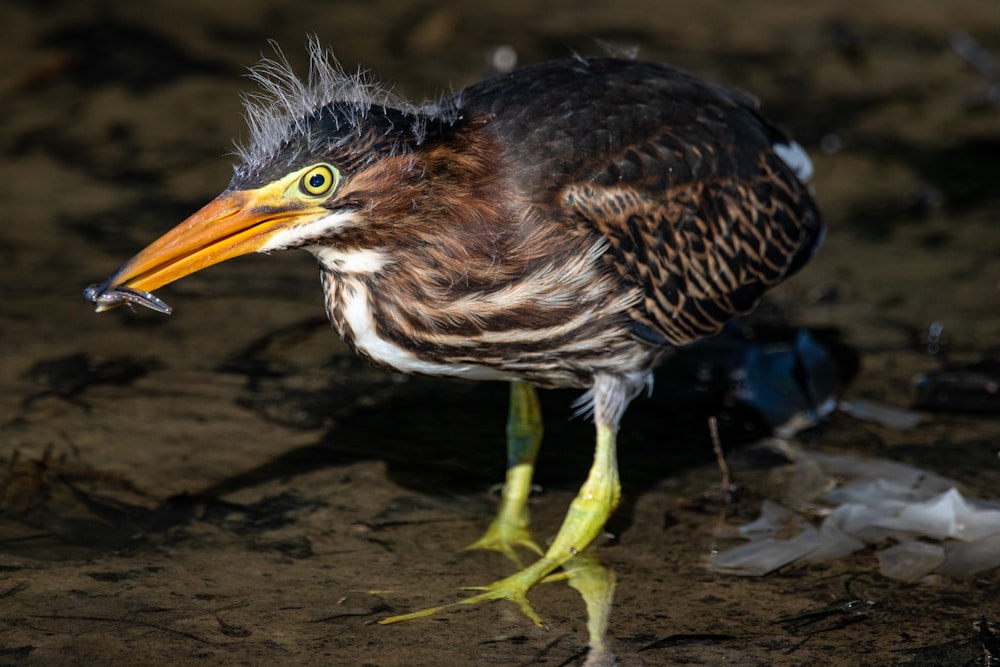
{"x":562,"y":225}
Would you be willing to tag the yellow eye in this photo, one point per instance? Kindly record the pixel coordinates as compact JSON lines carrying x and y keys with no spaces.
{"x":319,"y":180}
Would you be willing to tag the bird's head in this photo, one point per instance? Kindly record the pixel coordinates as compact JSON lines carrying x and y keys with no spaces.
{"x":321,"y":152}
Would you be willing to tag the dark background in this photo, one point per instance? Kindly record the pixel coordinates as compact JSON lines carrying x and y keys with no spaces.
{"x":229,"y":486}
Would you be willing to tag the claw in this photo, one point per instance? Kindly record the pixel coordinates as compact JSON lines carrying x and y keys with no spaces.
{"x":586,"y":517}
{"x":524,"y":436}
{"x":503,"y":536}
{"x":514,"y":588}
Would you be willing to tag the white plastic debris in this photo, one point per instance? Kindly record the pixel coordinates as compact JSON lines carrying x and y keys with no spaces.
{"x":880,"y":413}
{"x":948,"y":515}
{"x":934,"y":527}
{"x":760,"y":556}
{"x":774,"y":519}
{"x":910,"y":561}
{"x":964,"y":558}
{"x":835,"y":542}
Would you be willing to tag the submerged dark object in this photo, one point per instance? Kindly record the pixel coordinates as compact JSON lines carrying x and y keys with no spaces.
{"x":792,"y":385}
{"x":971,"y":388}
{"x":785,"y":378}
{"x":990,"y":642}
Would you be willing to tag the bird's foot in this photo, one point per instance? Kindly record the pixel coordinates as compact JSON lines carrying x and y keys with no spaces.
{"x":513,"y":588}
{"x":586,"y":517}
{"x":524,"y":435}
{"x":503,"y":536}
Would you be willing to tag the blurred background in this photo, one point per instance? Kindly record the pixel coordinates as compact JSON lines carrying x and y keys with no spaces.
{"x":230,"y":484}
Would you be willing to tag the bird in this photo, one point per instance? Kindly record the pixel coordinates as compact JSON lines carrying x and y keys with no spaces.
{"x":564,"y":224}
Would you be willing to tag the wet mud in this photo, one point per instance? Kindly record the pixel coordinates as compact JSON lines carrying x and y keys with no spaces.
{"x":229,"y":485}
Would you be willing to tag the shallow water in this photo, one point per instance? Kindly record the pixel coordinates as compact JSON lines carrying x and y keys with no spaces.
{"x":230,"y":485}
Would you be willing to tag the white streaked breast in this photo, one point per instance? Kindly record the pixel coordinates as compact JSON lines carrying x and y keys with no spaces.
{"x":358,"y":318}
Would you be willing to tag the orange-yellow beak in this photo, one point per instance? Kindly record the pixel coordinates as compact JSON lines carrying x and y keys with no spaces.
{"x":234,"y":223}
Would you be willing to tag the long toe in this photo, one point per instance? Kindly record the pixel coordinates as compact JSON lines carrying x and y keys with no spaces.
{"x":504,"y":537}
{"x":513,"y":588}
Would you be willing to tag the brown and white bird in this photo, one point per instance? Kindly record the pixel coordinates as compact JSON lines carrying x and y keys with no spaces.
{"x":563,"y":225}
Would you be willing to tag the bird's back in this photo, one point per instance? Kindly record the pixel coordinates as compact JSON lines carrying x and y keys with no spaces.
{"x":701,"y":200}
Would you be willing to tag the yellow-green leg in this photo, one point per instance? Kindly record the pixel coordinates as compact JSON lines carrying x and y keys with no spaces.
{"x":584,"y":521}
{"x":524,"y":437}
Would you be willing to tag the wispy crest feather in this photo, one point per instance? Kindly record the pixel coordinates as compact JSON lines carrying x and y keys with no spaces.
{"x":285,"y":102}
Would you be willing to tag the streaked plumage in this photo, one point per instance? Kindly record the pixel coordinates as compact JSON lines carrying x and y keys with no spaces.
{"x":603,"y":202}
{"x":565,"y":224}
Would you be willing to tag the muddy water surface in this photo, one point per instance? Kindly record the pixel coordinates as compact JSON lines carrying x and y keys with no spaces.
{"x":229,"y":485}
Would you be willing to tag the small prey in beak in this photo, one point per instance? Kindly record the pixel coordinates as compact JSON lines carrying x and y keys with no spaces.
{"x":235,"y":223}
{"x":106,"y":298}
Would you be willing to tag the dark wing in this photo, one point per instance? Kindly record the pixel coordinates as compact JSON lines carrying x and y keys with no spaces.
{"x":679,"y":175}
{"x":704,"y":250}
{"x":703,"y":216}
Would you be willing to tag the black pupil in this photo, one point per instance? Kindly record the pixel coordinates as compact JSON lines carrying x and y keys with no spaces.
{"x":316,"y":181}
